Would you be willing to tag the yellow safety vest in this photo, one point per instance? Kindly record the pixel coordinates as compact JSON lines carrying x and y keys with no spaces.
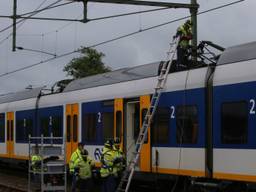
{"x":108,"y":157}
{"x":119,"y":155}
{"x":74,"y":160}
{"x":85,"y":171}
{"x":184,"y":33}
{"x":35,"y":159}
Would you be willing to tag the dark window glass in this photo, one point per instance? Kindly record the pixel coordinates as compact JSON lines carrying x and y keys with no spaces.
{"x":2,"y":128}
{"x":11,"y":130}
{"x":118,"y":123}
{"x":75,"y":121}
{"x":160,"y":126}
{"x":68,"y":127}
{"x":187,"y":125}
{"x":108,"y":126}
{"x":234,"y":123}
{"x":8,"y":130}
{"x":89,"y":127}
{"x":144,"y":112}
{"x":24,"y":128}
{"x":19,"y":130}
{"x":109,"y":103}
{"x":56,"y":126}
{"x":136,"y":121}
{"x":45,"y":126}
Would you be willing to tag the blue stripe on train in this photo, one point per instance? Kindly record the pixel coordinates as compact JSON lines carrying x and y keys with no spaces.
{"x":97,"y":108}
{"x":192,"y":97}
{"x":234,"y":93}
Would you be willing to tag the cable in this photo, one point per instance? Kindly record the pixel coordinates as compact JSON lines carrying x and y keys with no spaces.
{"x":107,"y":17}
{"x":34,"y":13}
{"x":115,"y":39}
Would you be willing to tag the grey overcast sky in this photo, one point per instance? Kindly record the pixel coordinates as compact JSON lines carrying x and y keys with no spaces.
{"x":228,"y":26}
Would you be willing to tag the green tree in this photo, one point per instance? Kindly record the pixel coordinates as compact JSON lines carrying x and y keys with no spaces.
{"x":90,"y":63}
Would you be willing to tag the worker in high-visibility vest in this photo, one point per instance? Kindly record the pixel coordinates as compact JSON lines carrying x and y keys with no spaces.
{"x":85,"y":172}
{"x":106,"y":171}
{"x":119,"y":162}
{"x":76,"y":157}
{"x":184,"y":32}
{"x":36,"y":164}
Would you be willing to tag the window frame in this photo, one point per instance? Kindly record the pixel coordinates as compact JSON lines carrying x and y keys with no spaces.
{"x":246,"y":142}
{"x":2,"y":128}
{"x":154,"y":131}
{"x":186,"y":138}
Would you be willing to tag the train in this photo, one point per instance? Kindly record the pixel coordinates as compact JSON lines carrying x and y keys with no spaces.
{"x":204,"y":126}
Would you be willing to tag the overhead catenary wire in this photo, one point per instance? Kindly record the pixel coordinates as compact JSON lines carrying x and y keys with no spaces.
{"x":117,"y":38}
{"x":50,"y":6}
{"x":32,"y":13}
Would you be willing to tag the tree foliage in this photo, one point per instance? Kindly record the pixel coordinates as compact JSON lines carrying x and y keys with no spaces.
{"x":90,"y":63}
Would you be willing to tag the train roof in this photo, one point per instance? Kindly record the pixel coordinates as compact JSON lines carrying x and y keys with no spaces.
{"x":238,"y":53}
{"x":22,"y":95}
{"x":121,"y":75}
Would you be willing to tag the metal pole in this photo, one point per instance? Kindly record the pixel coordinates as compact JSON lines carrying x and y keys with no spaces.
{"x":85,"y":11}
{"x":193,"y":12}
{"x":29,"y":163}
{"x":14,"y":25}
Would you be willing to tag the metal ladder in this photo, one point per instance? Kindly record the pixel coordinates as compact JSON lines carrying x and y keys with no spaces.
{"x":162,"y":78}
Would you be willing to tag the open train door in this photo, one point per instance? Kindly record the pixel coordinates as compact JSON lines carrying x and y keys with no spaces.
{"x":145,"y":156}
{"x":72,"y":114}
{"x":119,"y":121}
{"x":10,"y":133}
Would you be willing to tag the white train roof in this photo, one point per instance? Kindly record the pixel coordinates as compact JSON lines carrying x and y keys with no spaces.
{"x":22,"y":95}
{"x":238,"y":53}
{"x":118,"y":76}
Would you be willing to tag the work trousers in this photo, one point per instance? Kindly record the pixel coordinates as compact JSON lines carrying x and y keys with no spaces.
{"x":86,"y":185}
{"x":108,"y":184}
{"x":182,"y":59}
{"x":74,"y":182}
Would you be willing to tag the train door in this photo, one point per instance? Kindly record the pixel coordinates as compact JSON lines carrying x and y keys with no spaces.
{"x":145,"y":156}
{"x":72,"y":112}
{"x":135,"y":112}
{"x":132,"y":127}
{"x":118,"y":121}
{"x":10,"y":133}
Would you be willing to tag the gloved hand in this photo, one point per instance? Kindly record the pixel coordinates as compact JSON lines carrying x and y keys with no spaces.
{"x":117,"y":160}
{"x":76,"y":170}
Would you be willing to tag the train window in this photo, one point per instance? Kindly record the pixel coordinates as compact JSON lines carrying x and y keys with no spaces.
{"x":24,"y":128}
{"x":160,"y":126}
{"x":8,"y":130}
{"x":234,"y":123}
{"x":2,"y":128}
{"x":118,"y":123}
{"x":45,"y":127}
{"x":108,"y":103}
{"x":108,"y":126}
{"x":144,"y":112}
{"x":11,"y":139}
{"x":136,"y":121}
{"x":75,"y":121}
{"x":68,"y":127}
{"x":187,"y":125}
{"x":90,"y":127}
{"x":56,"y":126}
